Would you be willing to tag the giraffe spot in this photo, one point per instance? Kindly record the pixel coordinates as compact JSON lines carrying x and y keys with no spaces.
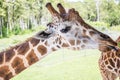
{"x":92,"y":33}
{"x":42,"y":40}
{"x":46,"y":43}
{"x":23,"y":48}
{"x":112,"y":63}
{"x":105,"y":57}
{"x":57,"y":40}
{"x":108,"y":55}
{"x":118,"y":55}
{"x":83,"y":46}
{"x":32,"y":58}
{"x":4,"y":70}
{"x":9,"y":54}
{"x":106,"y":62}
{"x":112,"y":55}
{"x":1,"y":57}
{"x":42,"y":49}
{"x":78,"y":48}
{"x":18,"y":65}
{"x":16,"y":62}
{"x":60,"y":42}
{"x":8,"y":76}
{"x":53,"y":49}
{"x":77,"y":24}
{"x":74,"y":48}
{"x":19,"y":68}
{"x":76,"y":34}
{"x":72,"y":42}
{"x":115,"y":59}
{"x":115,"y":70}
{"x":86,"y":37}
{"x":78,"y":41}
{"x":118,"y":63}
{"x":85,"y":41}
{"x":58,"y":46}
{"x":109,"y":67}
{"x":84,"y":32}
{"x":34,"y":41}
{"x":65,"y":45}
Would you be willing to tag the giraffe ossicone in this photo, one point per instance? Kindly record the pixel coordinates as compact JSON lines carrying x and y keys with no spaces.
{"x":67,"y":30}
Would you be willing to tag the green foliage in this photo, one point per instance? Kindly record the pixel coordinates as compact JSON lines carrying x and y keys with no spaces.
{"x":118,"y":44}
{"x":16,"y":30}
{"x":99,"y":24}
{"x":110,"y":12}
{"x":20,"y":12}
{"x":26,"y":14}
{"x":115,"y":28}
{"x":4,"y":32}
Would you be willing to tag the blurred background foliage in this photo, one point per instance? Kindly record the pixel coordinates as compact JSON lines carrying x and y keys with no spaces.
{"x":24,"y":16}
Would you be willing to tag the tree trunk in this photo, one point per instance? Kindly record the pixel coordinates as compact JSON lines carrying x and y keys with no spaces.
{"x":97,"y":9}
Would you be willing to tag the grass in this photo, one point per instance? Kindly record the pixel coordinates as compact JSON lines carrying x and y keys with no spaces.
{"x":65,"y":65}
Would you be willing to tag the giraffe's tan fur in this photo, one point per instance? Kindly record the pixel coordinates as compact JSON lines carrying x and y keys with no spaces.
{"x":109,"y":63}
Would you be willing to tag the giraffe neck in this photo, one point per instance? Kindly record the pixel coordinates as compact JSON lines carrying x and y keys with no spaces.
{"x":20,"y":57}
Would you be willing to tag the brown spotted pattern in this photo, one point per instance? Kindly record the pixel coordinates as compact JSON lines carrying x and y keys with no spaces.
{"x":9,"y":54}
{"x":23,"y":48}
{"x":109,"y":63}
{"x":72,"y":42}
{"x":16,"y":59}
{"x":42,"y":49}
{"x":18,"y":65}
{"x":1,"y":57}
{"x":32,"y":58}
{"x":34,"y":41}
{"x":65,"y":45}
{"x":5,"y":72}
{"x":92,"y":33}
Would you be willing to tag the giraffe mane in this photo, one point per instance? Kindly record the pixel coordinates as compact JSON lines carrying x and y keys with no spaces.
{"x":15,"y":46}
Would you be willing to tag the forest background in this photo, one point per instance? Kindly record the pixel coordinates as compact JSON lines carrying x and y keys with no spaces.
{"x":23,"y":16}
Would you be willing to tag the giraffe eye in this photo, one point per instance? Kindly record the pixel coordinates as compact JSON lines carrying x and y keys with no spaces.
{"x":68,"y":28}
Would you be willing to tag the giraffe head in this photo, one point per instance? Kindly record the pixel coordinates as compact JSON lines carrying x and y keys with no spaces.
{"x":72,"y":27}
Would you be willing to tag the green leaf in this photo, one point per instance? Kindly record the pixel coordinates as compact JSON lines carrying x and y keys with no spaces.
{"x":119,"y":44}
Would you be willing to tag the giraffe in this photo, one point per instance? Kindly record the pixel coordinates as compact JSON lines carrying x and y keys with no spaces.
{"x":118,"y":39}
{"x":109,"y":62}
{"x":67,"y":30}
